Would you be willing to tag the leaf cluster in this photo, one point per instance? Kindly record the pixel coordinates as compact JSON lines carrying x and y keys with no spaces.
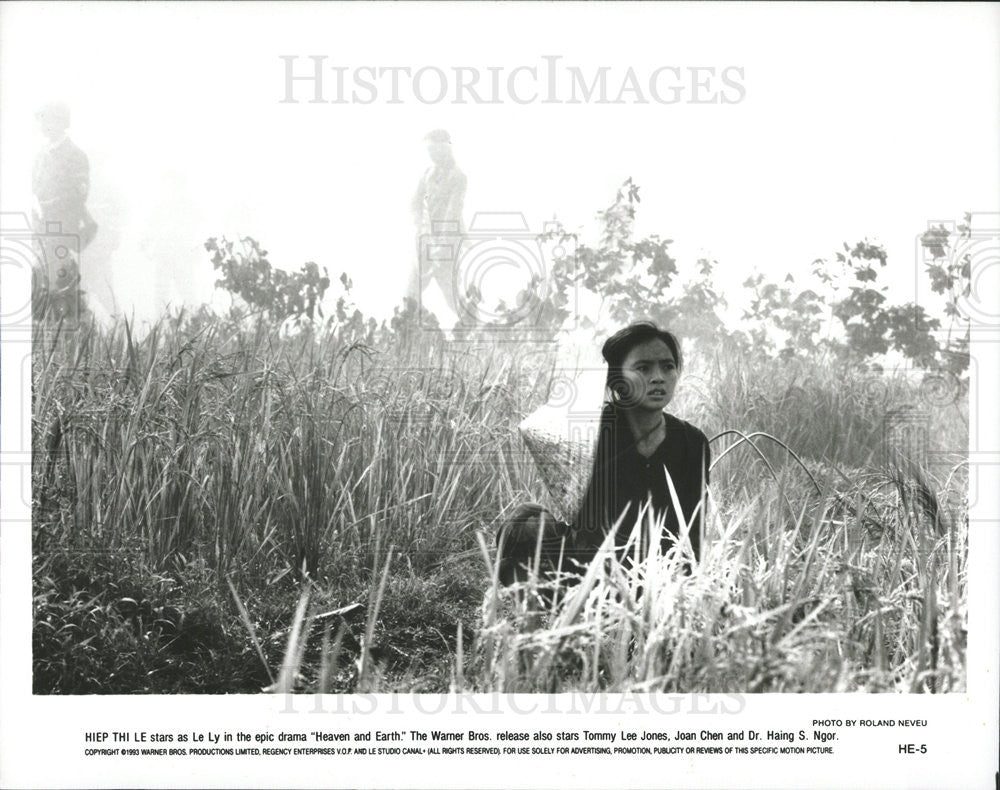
{"x":247,"y":273}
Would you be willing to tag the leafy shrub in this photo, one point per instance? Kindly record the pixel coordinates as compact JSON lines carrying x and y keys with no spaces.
{"x":247,"y":273}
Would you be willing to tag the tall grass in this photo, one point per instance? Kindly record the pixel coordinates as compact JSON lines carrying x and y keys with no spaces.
{"x":256,"y":452}
{"x":864,"y":589}
{"x":214,"y":450}
{"x":847,"y":574}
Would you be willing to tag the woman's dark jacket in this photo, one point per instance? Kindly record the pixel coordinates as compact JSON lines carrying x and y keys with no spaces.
{"x":622,"y":478}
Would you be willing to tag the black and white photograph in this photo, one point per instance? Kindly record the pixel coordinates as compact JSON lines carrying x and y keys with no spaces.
{"x":598,"y":392}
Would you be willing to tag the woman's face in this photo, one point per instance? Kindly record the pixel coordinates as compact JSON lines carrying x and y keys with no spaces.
{"x":651,"y":372}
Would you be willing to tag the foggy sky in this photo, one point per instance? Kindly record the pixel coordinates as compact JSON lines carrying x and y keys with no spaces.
{"x":867,"y":123}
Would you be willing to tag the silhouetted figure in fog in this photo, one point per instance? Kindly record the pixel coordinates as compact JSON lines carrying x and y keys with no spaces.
{"x":437,"y":214}
{"x":60,"y":181}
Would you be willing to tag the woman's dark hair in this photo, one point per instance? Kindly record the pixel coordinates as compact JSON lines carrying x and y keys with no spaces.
{"x":616,"y":348}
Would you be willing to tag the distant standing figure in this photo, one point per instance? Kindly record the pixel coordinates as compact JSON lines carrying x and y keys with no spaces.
{"x":437,"y":214}
{"x":60,"y":181}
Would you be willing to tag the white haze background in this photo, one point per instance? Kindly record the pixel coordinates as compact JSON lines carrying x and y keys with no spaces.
{"x":858,"y":122}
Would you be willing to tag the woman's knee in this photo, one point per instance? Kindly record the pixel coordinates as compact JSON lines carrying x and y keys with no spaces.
{"x":530,"y":531}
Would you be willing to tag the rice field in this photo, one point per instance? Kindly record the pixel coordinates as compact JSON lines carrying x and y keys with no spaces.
{"x":221,"y":506}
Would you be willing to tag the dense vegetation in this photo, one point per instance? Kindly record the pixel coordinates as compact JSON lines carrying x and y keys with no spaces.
{"x":211,"y":498}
